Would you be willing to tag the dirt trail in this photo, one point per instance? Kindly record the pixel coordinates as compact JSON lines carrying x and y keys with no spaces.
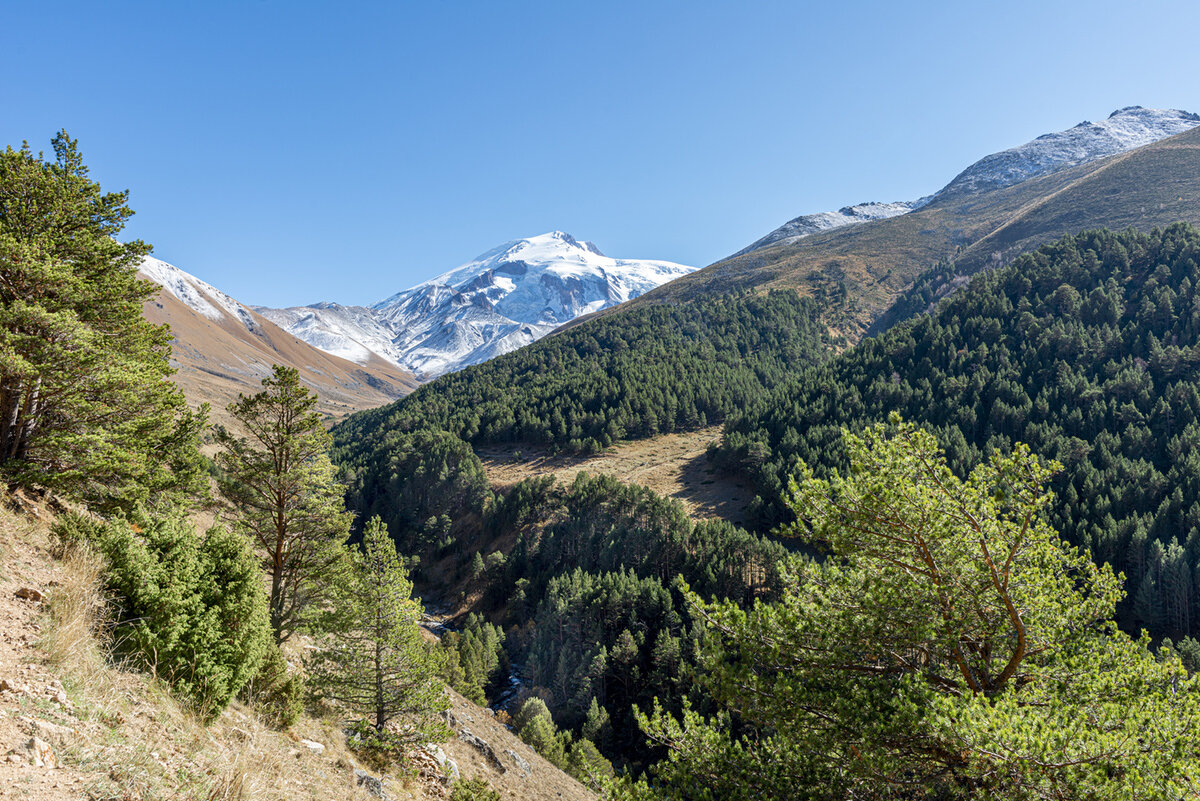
{"x":32,"y":699}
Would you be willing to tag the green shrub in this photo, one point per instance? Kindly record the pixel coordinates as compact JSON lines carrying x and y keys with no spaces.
{"x":276,"y":693}
{"x":476,"y":789}
{"x":588,"y":765}
{"x":532,"y":708}
{"x":73,"y":529}
{"x":191,"y":609}
{"x":535,"y":726}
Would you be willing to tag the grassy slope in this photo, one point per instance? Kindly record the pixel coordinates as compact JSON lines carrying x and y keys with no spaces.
{"x":672,"y":465}
{"x":120,"y":735}
{"x":1151,"y":186}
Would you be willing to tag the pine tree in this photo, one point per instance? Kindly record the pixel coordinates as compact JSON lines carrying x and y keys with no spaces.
{"x":951,"y":642}
{"x":283,"y":486}
{"x":85,"y":404}
{"x":374,"y":660}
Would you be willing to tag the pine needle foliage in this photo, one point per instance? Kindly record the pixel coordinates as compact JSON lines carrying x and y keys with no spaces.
{"x":283,"y":486}
{"x":950,"y":647}
{"x":374,"y":661}
{"x":188,"y":608}
{"x":1087,"y":350}
{"x":85,"y":405}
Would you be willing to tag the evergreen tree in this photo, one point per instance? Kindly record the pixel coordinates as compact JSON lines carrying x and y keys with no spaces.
{"x":85,"y":404}
{"x":951,"y":644}
{"x":283,"y":486}
{"x":190,"y":609}
{"x":374,"y":660}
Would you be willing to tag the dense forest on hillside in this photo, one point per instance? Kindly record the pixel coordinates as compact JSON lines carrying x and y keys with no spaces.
{"x":589,"y":586}
{"x":1087,"y":350}
{"x":654,"y":370}
{"x":585,"y":593}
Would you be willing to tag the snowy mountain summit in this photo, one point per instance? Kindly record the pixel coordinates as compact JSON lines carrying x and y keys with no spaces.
{"x":1124,"y":129}
{"x":504,"y":299}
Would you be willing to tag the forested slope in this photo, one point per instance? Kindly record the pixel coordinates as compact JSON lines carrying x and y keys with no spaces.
{"x":651,"y":371}
{"x":1087,"y":350}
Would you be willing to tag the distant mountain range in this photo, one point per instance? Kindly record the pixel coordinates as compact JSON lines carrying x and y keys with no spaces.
{"x":1124,"y":129}
{"x":223,"y":347}
{"x":506,"y":298}
{"x":1138,"y":167}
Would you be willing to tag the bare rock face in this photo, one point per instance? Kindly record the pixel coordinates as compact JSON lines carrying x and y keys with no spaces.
{"x":484,"y":748}
{"x":445,"y":763}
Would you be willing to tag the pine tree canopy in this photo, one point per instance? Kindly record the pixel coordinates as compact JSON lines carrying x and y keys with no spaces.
{"x":85,"y":404}
{"x":374,"y":661}
{"x":283,"y":485}
{"x":950,"y":646}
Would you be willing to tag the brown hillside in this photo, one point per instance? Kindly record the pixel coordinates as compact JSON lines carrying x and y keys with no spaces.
{"x":1151,"y":186}
{"x":672,"y":465}
{"x":217,"y":360}
{"x":105,"y":732}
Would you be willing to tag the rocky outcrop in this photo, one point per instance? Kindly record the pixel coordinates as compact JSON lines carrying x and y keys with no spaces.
{"x":483,"y":747}
{"x":371,"y":784}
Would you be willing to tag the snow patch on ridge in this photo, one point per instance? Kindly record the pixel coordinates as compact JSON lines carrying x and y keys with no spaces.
{"x":1124,"y":129}
{"x":828,"y":220}
{"x":200,"y":296}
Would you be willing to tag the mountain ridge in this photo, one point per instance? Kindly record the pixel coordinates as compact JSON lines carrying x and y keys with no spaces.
{"x":507,"y":297}
{"x":1123,"y":130}
{"x":862,"y":270}
{"x":223,"y":348}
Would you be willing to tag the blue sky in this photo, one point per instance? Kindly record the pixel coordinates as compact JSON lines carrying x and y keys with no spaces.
{"x":290,"y":152}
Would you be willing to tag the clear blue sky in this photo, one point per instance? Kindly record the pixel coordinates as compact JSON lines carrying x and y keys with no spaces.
{"x":290,"y":152}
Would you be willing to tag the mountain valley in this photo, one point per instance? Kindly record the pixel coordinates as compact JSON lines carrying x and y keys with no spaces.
{"x":818,"y":520}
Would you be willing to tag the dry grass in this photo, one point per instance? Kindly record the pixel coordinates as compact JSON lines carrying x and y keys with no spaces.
{"x":672,"y":465}
{"x":127,"y":737}
{"x":76,"y":610}
{"x":121,"y":736}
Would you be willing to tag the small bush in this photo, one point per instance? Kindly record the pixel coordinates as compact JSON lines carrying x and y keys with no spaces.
{"x":535,"y":726}
{"x":276,"y":693}
{"x":73,"y":530}
{"x":379,"y":749}
{"x":475,"y":789}
{"x":532,"y":708}
{"x":588,"y":765}
{"x":191,"y":609}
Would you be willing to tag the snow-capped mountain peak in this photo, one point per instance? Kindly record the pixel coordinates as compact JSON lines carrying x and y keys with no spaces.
{"x":1124,"y":129}
{"x":503,"y":299}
